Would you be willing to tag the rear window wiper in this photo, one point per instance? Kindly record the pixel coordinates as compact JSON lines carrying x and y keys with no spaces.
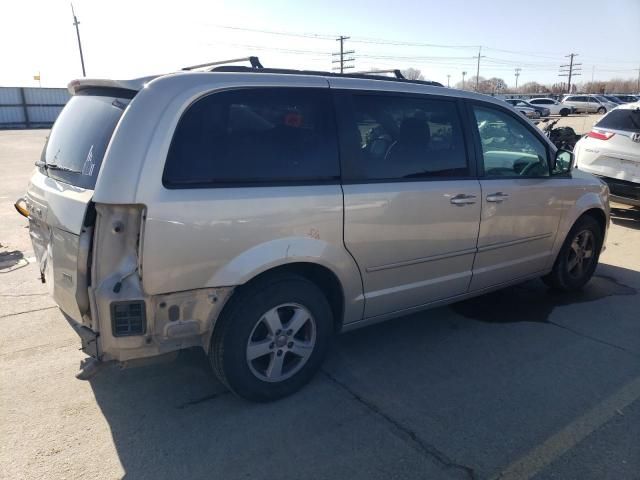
{"x":53,"y":166}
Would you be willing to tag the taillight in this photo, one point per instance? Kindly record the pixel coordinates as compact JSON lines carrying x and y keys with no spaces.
{"x":600,"y":135}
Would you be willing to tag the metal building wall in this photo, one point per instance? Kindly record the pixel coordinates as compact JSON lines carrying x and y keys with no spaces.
{"x":30,"y":107}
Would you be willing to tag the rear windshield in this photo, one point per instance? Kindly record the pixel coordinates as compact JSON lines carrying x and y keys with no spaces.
{"x":621,"y":119}
{"x":73,"y":153}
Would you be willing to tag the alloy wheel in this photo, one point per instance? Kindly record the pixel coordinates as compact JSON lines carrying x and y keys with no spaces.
{"x":581,"y":254}
{"x":281,"y":342}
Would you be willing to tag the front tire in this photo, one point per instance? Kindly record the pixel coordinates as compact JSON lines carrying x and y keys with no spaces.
{"x":272,"y":338}
{"x":578,"y":257}
{"x":602,"y":110}
{"x":564,"y":112}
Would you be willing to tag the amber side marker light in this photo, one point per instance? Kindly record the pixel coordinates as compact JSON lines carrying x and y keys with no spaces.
{"x":21,"y":207}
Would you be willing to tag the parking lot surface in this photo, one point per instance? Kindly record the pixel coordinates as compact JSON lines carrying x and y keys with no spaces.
{"x":521,"y":383}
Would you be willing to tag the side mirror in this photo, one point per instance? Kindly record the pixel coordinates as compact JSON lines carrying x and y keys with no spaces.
{"x":562,"y":163}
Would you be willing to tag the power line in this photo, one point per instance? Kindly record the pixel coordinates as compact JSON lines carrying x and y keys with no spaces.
{"x":273,"y":32}
{"x":382,"y":41}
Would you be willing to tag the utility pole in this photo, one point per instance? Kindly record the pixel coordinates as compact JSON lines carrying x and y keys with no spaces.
{"x":448,"y":83}
{"x":463,"y":74}
{"x":76,"y":23}
{"x":638,"y":86}
{"x":571,"y":70}
{"x":342,"y":60}
{"x":518,"y":70}
{"x":478,"y":67}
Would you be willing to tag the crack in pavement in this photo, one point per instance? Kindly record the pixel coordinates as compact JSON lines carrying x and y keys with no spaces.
{"x":427,"y":450}
{"x":56,"y":346}
{"x":206,"y":398}
{"x":17,"y":295}
{"x":28,"y":311}
{"x":595,"y":339}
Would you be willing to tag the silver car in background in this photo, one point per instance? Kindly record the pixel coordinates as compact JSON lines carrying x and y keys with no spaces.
{"x":589,"y":103}
{"x":255,"y":213}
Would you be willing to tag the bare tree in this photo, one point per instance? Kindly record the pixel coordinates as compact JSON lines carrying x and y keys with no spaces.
{"x":412,"y":74}
{"x":615,"y":85}
{"x":533,"y":87}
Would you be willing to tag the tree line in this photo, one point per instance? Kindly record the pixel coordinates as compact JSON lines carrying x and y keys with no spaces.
{"x":495,"y":85}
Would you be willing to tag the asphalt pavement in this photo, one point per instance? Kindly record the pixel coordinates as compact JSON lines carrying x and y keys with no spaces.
{"x":522,"y":383}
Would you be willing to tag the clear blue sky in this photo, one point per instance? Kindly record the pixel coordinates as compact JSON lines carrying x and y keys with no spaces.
{"x":123,"y":39}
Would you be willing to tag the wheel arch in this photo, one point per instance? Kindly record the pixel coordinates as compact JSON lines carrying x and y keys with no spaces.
{"x":590,"y":205}
{"x":320,"y":275}
{"x":598,"y":215}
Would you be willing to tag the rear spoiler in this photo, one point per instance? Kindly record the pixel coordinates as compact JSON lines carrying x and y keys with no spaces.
{"x":133,"y":85}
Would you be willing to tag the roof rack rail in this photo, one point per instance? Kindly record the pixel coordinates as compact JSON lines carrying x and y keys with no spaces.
{"x":254,"y":61}
{"x":368,"y":76}
{"x":395,"y":71}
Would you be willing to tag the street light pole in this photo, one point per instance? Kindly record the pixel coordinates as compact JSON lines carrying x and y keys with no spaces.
{"x":76,"y":23}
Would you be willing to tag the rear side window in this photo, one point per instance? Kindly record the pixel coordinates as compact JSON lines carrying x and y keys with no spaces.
{"x":621,"y":119}
{"x":79,"y":138}
{"x":270,"y":135}
{"x":406,"y":137}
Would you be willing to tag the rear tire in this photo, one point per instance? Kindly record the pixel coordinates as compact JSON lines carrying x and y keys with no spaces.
{"x":578,"y":257}
{"x":255,"y":351}
{"x":602,"y":110}
{"x":564,"y":112}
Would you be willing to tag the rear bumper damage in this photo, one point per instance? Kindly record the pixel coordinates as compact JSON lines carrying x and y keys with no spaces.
{"x":623,"y":191}
{"x":88,"y":337}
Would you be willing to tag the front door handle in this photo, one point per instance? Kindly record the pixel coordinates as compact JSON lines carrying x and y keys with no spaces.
{"x":461,"y":199}
{"x":497,"y":197}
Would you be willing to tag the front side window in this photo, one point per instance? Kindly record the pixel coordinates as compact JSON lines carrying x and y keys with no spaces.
{"x":406,"y":137}
{"x":508,"y":147}
{"x":254,"y":136}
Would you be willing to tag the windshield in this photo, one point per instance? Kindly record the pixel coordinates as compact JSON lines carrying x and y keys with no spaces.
{"x":79,"y":138}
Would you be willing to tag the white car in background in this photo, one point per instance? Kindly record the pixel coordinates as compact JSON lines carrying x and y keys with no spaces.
{"x":611,"y":150}
{"x":555,"y":107}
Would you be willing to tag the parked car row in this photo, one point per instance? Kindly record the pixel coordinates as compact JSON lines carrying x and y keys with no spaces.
{"x":582,"y":103}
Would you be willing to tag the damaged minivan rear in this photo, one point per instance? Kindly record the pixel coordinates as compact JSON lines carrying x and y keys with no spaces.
{"x":59,"y":201}
{"x":89,"y":252}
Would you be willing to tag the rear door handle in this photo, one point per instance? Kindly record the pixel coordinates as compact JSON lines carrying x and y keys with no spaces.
{"x":461,"y":199}
{"x":497,"y":197}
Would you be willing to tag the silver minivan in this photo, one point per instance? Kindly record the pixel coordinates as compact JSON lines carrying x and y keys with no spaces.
{"x":255,"y":213}
{"x":589,"y":103}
